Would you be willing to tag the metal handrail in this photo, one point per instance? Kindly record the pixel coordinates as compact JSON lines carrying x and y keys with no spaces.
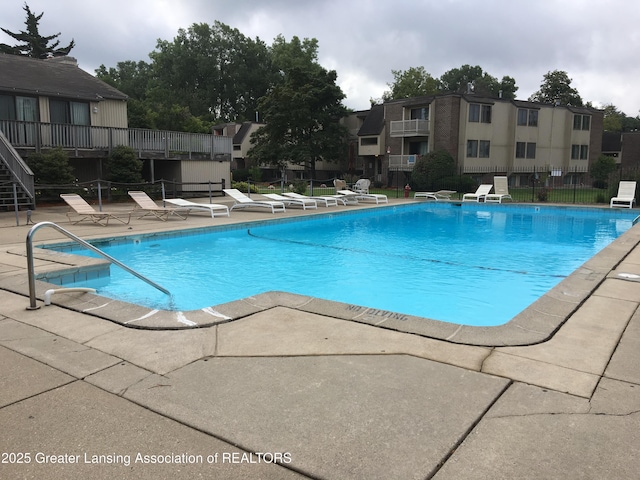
{"x":31,"y":270}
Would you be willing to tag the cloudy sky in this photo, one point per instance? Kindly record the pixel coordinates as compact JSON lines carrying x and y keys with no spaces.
{"x":596,"y":42}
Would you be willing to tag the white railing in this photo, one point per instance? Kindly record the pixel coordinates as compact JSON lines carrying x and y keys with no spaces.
{"x":402,"y":162}
{"x":409,"y":128}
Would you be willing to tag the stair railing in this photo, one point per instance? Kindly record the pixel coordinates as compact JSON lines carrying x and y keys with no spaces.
{"x":31,"y":270}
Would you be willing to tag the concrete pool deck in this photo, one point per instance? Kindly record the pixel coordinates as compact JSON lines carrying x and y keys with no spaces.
{"x":324,"y":396}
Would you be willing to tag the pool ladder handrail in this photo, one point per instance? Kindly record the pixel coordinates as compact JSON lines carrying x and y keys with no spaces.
{"x":31,"y":270}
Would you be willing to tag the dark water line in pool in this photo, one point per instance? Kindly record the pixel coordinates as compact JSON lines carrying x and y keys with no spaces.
{"x":400,"y":256}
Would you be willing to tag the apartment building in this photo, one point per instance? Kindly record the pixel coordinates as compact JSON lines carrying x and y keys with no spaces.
{"x":486,"y":136}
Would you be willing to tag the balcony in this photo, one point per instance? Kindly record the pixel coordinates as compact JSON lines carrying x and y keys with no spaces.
{"x":99,"y":141}
{"x":409,"y":128}
{"x":402,"y":162}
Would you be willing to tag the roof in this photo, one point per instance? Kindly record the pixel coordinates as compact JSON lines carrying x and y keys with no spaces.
{"x":239,"y":136}
{"x":53,"y":77}
{"x":374,"y":121}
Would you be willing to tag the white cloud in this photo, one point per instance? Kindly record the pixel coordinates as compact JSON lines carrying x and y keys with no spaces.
{"x":596,"y":43}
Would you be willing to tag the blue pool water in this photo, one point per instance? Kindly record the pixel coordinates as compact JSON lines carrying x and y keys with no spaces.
{"x":469,"y":264}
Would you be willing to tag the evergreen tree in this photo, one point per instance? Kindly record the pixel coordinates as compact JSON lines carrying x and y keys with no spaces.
{"x":34,"y":45}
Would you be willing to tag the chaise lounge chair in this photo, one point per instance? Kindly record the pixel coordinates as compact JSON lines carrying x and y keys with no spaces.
{"x":79,"y":206}
{"x":214,"y":208}
{"x":360,"y":190}
{"x":439,"y":195}
{"x":326,"y":200}
{"x":626,"y":195}
{"x":500,"y":191}
{"x":146,"y":204}
{"x":242,"y":201}
{"x":479,"y":195}
{"x":299,"y":202}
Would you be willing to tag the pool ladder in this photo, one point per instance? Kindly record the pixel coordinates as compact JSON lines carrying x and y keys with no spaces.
{"x":31,"y":269}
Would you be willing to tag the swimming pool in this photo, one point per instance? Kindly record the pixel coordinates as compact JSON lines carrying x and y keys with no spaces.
{"x":468,"y":264}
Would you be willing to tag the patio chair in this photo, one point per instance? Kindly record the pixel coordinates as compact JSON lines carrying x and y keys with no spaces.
{"x":79,"y":206}
{"x":500,"y":191}
{"x":479,"y":195}
{"x":626,"y":195}
{"x":146,"y":204}
{"x":242,"y":201}
{"x":326,"y":200}
{"x":362,"y":186}
{"x":292,"y":201}
{"x":214,"y":208}
{"x":439,"y":195}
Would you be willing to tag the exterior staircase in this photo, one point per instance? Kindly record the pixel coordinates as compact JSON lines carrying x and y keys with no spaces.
{"x":14,"y":172}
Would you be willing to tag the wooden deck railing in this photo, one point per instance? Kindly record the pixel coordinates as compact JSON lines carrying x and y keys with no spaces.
{"x":168,"y":144}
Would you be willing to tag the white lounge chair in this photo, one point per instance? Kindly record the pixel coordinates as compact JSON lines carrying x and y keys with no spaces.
{"x":479,"y":195}
{"x":626,"y":195}
{"x":376,"y":197}
{"x":326,"y":200}
{"x":79,"y":206}
{"x":300,"y":202}
{"x":439,"y":195}
{"x":214,"y":208}
{"x":242,"y":201}
{"x":146,"y":204}
{"x":360,"y":190}
{"x":500,"y":191}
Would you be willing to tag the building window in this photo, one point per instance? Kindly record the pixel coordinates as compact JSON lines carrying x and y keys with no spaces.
{"x":369,"y":141}
{"x":474,"y":112}
{"x":579,"y":152}
{"x":525,"y":150}
{"x":472,"y":148}
{"x":523,"y":115}
{"x":486,"y":114}
{"x":479,"y":113}
{"x":581,"y":122}
{"x":421,"y":113}
{"x":584,"y":152}
{"x":418,"y":148}
{"x":527,"y":117}
{"x":484,"y":149}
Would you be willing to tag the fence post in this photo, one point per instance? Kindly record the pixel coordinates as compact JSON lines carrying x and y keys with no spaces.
{"x":15,"y":203}
{"x":311,"y":186}
{"x":533,"y":190}
{"x":99,"y":196}
{"x":163,"y":193}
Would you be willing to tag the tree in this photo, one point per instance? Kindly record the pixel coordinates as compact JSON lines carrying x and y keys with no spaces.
{"x":556,"y":88}
{"x":613,"y":119}
{"x":414,"y":82}
{"x":601,"y":169}
{"x":213,"y":70}
{"x":35,"y":45}
{"x":124,"y":166}
{"x":302,"y":112}
{"x":459,"y":80}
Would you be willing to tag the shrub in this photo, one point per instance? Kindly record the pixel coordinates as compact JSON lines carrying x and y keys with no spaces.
{"x":51,"y":168}
{"x":124,"y":165}
{"x":244,"y":186}
{"x":430,"y":169}
{"x":543,"y":195}
{"x":300,"y":186}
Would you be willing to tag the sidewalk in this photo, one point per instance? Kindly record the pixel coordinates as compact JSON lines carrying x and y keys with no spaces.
{"x":289,"y":392}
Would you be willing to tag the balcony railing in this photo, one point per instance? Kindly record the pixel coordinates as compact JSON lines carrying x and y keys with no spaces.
{"x":409,"y":128}
{"x":39,"y":135}
{"x":402,"y":162}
